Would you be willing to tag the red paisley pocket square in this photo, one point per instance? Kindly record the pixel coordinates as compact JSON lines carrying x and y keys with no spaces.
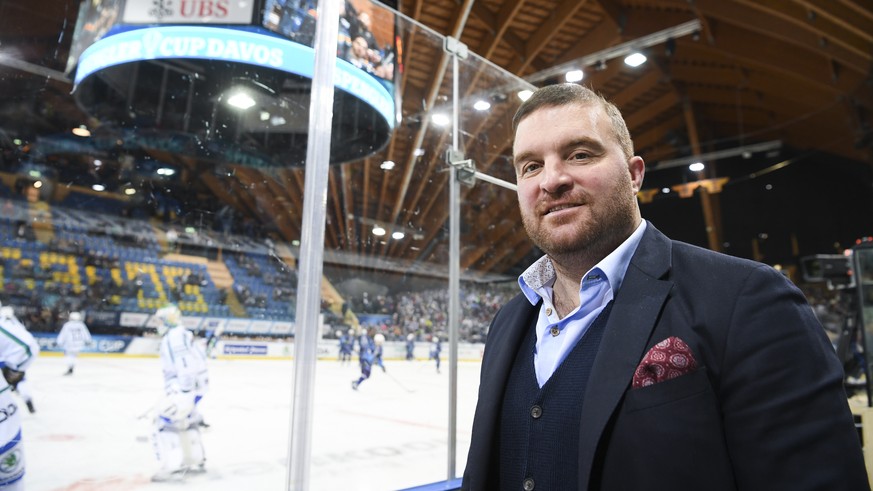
{"x":666,"y":360}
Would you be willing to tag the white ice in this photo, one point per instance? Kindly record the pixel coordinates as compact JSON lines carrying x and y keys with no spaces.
{"x":88,"y":432}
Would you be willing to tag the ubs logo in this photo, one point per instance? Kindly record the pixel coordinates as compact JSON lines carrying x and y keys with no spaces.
{"x":189,"y":8}
{"x":162,"y":8}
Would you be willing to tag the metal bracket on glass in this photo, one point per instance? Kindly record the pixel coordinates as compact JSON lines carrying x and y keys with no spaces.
{"x":456,"y":47}
{"x":465,"y":168}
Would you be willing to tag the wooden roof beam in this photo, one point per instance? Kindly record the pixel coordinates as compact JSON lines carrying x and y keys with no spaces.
{"x":556,"y":20}
{"x":498,"y":26}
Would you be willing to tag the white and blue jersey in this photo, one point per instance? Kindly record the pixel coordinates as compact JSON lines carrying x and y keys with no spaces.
{"x":18,"y":349}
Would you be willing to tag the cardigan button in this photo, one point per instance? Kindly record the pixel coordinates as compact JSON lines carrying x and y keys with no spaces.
{"x":528,"y":484}
{"x":536,"y":412}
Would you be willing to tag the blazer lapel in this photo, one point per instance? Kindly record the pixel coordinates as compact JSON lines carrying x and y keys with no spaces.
{"x":627,"y":333}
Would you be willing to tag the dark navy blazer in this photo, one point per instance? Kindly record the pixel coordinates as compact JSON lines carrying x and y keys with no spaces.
{"x":764,"y":410}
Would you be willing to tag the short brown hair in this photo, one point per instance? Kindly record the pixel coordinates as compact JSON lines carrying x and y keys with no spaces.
{"x":566,"y":94}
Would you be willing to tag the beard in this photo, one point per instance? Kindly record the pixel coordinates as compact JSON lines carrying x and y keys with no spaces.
{"x":607,"y":223}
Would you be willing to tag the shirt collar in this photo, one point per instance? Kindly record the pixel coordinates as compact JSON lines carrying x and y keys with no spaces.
{"x":541,"y":273}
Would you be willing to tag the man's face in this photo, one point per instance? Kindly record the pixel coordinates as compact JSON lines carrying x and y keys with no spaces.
{"x":576,"y":189}
{"x":359,"y":46}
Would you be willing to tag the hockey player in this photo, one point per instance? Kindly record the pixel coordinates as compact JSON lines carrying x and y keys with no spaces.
{"x":23,"y":387}
{"x":176,"y":436}
{"x":212,"y":341}
{"x":410,"y":347}
{"x":74,"y":336}
{"x":435,"y":349}
{"x":346,"y":346}
{"x":365,"y":357}
{"x":378,"y":350}
{"x":18,"y":349}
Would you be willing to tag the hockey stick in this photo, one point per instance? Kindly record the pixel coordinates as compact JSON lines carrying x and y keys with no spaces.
{"x":407,"y":389}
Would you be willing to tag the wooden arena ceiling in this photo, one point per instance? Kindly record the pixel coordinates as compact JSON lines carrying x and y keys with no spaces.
{"x":797,"y":71}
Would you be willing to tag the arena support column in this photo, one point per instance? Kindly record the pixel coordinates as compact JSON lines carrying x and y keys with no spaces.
{"x":312,"y":245}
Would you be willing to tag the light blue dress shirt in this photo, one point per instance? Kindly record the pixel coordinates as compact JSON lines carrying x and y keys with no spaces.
{"x":556,"y":337}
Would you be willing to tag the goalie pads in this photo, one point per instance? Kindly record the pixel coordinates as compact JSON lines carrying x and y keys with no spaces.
{"x":176,"y":437}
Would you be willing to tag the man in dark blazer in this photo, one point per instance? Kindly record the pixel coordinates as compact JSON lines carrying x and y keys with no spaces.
{"x":634,"y":362}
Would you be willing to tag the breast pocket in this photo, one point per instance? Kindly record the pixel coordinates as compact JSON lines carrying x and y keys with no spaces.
{"x":669,"y":391}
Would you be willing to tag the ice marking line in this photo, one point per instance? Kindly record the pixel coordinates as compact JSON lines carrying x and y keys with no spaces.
{"x":108,"y":484}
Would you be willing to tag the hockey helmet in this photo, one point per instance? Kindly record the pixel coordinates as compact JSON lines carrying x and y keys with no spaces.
{"x":75,"y":316}
{"x":168,"y":317}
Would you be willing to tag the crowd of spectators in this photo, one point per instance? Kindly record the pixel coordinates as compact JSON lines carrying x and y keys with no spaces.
{"x":425,"y":313}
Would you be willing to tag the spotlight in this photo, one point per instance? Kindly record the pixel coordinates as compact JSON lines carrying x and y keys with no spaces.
{"x":635,"y":59}
{"x":574,"y":76}
{"x":481,"y":105}
{"x":241,"y":100}
{"x":440,"y":119}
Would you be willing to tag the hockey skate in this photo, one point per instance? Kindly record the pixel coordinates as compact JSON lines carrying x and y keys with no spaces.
{"x":179,"y":473}
{"x":165,"y":475}
{"x":69,"y":371}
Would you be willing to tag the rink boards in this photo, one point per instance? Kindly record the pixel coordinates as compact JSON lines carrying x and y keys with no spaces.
{"x":251,"y":348}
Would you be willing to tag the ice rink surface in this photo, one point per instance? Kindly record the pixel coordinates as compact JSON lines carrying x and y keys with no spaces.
{"x":89,"y":432}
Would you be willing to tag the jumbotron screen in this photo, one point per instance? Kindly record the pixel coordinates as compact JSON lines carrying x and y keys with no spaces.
{"x":134,"y":53}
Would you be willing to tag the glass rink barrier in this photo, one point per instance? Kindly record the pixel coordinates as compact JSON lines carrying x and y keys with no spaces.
{"x":241,"y":248}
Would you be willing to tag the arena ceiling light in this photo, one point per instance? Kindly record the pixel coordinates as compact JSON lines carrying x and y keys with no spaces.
{"x":481,"y":105}
{"x":574,"y":76}
{"x":440,"y":119}
{"x":635,"y":59}
{"x":599,"y":58}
